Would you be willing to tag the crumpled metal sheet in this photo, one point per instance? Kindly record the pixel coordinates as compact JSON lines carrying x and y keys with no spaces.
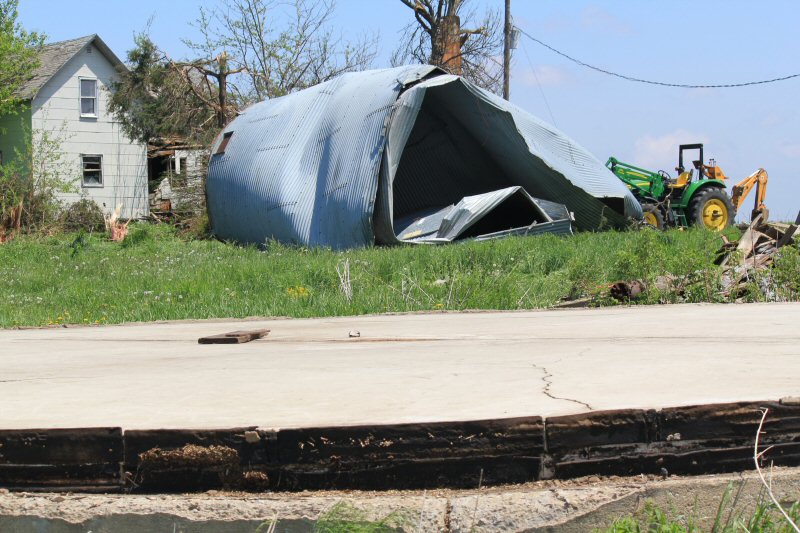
{"x":527,"y":217}
{"x":340,"y":163}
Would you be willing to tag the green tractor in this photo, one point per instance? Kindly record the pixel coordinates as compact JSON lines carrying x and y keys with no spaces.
{"x":689,"y":199}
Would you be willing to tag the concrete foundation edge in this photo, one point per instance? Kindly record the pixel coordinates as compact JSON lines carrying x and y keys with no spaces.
{"x":701,"y":439}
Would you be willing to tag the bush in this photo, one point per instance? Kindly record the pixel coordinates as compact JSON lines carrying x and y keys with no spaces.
{"x":36,"y":177}
{"x":83,"y":215}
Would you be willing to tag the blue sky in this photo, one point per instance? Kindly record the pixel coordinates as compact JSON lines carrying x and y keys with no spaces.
{"x":682,"y":41}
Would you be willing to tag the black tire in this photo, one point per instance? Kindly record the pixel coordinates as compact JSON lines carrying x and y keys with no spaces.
{"x":712,"y":209}
{"x":653,"y":216}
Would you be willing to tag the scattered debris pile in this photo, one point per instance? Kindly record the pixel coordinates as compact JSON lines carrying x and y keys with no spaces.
{"x":754,"y":252}
{"x":740,"y":263}
{"x":161,"y":198}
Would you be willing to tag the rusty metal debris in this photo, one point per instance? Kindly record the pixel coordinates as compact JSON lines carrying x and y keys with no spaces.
{"x":754,"y":252}
{"x":624,"y":291}
{"x":234,"y":337}
{"x":627,"y":290}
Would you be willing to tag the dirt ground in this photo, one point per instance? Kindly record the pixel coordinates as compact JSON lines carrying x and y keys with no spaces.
{"x":572,"y":505}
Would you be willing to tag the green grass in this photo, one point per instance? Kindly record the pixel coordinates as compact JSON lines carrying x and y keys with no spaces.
{"x":765,"y":518}
{"x":343,"y":518}
{"x":155,"y":275}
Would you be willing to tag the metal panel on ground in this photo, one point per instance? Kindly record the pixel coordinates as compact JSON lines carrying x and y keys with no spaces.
{"x":510,"y":211}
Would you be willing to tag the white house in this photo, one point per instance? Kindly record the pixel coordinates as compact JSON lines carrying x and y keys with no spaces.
{"x":67,"y":98}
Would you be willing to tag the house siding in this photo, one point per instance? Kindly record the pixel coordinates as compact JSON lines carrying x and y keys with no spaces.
{"x":56,"y":109}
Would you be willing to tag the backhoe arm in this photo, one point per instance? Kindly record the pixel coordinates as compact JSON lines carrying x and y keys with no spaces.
{"x":757,"y":179}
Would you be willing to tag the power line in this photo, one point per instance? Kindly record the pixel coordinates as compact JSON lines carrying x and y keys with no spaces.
{"x":536,"y":77}
{"x":663,"y":84}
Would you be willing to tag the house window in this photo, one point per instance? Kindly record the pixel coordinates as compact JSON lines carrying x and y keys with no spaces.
{"x":92,"y":170}
{"x":88,"y":97}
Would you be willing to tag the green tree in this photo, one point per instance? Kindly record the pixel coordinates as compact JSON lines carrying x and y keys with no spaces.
{"x":160,"y":98}
{"x":248,"y":50}
{"x":19,"y":55}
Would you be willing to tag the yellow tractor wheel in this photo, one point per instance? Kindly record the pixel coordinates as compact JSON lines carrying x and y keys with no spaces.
{"x":711,"y":209}
{"x":652,"y":216}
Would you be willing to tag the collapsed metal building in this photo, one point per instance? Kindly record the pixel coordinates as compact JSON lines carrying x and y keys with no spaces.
{"x":409,"y":154}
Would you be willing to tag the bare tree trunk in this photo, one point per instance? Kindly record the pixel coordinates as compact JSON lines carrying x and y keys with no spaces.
{"x":222,"y":80}
{"x":446,"y":35}
{"x":450,"y":47}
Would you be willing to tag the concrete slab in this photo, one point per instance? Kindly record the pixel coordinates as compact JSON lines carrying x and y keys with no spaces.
{"x":403,"y":368}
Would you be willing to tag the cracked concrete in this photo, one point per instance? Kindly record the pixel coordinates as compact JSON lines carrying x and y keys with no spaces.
{"x":547,"y":379}
{"x":403,"y":368}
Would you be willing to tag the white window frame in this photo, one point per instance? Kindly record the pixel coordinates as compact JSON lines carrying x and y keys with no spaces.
{"x":83,"y":172}
{"x":81,"y":97}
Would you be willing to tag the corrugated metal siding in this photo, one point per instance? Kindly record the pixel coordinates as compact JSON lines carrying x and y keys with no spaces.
{"x":306,"y":168}
{"x":303,"y":168}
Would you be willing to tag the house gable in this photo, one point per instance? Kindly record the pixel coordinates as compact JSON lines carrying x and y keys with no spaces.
{"x":54,"y":56}
{"x":60,"y":95}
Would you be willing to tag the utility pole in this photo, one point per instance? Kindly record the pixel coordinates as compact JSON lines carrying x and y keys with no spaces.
{"x":507,"y":53}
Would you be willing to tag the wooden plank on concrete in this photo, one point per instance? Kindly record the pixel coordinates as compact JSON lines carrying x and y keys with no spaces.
{"x":234,"y":337}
